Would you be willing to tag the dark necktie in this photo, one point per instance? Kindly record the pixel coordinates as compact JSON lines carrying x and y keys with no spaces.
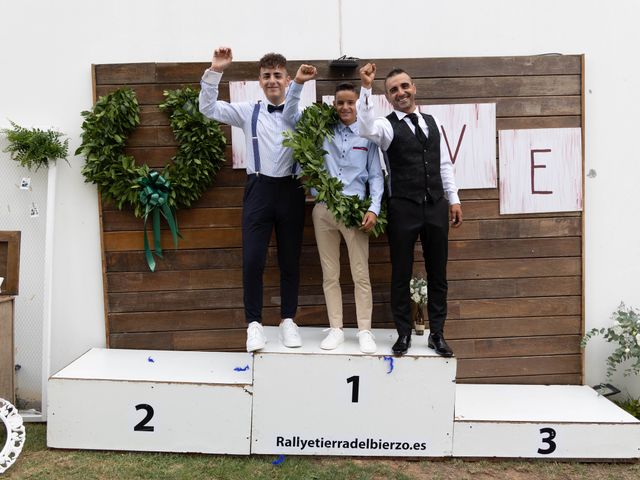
{"x":273,"y":108}
{"x":419,"y":133}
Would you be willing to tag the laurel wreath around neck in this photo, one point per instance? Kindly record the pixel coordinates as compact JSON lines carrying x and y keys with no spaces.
{"x":149,"y":193}
{"x":317,"y":124}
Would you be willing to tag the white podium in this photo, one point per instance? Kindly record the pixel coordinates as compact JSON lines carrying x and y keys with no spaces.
{"x":341,"y":402}
{"x":306,"y":401}
{"x":541,"y":421}
{"x":161,"y":401}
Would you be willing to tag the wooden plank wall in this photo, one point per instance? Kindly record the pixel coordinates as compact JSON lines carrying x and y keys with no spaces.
{"x":10,"y":262}
{"x":515,"y":302}
{"x":7,"y":349}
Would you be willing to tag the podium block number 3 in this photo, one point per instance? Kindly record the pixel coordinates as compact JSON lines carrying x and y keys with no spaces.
{"x":142,"y":425}
{"x":355,"y":388}
{"x":551,"y":434}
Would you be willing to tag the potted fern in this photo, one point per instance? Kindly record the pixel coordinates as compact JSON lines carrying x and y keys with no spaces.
{"x":35,"y":148}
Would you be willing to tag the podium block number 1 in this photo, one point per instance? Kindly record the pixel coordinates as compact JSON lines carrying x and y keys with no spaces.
{"x":355,"y":388}
{"x":142,"y":425}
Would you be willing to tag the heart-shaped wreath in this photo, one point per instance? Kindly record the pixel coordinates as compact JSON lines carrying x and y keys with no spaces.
{"x":150,"y":193}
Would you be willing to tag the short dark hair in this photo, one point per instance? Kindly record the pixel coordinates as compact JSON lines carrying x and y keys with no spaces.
{"x":346,"y":86}
{"x":394,"y":71}
{"x":272,"y":60}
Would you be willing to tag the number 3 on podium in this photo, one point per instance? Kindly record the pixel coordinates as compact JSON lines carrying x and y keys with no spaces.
{"x":551,"y":434}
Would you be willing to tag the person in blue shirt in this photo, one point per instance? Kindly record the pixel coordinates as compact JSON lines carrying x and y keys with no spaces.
{"x":356,"y":163}
{"x":273,"y":196}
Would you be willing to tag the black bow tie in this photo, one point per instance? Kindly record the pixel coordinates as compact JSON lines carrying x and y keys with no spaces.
{"x":273,"y":108}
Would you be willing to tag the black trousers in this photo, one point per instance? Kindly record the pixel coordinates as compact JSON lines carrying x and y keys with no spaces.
{"x":271,"y":203}
{"x":409,"y":220}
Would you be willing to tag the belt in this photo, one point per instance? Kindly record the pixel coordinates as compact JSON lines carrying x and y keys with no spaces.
{"x":268,"y":179}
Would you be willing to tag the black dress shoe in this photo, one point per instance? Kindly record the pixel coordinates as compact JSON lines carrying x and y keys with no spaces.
{"x":438,"y":343}
{"x":402,"y":345}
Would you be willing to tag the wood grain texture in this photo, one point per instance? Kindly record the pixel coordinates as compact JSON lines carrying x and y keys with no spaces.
{"x":515,"y":281}
{"x":185,"y":259}
{"x":162,"y":73}
{"x":482,"y":87}
{"x":10,"y":262}
{"x":551,"y":379}
{"x":472,"y":368}
{"x":7,"y":370}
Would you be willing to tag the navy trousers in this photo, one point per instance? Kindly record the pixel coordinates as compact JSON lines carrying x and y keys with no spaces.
{"x":271,"y":203}
{"x":408,"y":221}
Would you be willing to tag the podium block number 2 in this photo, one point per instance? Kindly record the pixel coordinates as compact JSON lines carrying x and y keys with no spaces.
{"x":142,"y":425}
{"x":355,"y":388}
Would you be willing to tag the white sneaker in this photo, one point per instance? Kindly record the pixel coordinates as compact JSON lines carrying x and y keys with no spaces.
{"x":255,"y":337}
{"x":335,"y":338}
{"x":367,"y":343}
{"x":289,"y":334}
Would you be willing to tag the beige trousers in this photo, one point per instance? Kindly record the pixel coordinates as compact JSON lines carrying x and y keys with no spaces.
{"x":328,"y":232}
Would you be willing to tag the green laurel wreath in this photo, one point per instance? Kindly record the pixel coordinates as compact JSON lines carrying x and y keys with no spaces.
{"x":120,"y":181}
{"x":316,"y":124}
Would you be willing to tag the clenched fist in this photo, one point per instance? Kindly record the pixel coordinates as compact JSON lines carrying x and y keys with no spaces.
{"x":368,"y":74}
{"x":304,"y":73}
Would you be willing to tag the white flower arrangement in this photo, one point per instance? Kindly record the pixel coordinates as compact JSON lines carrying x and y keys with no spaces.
{"x":418,"y":290}
{"x":625,"y":332}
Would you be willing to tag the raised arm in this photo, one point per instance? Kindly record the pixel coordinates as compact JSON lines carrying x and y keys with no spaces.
{"x":210,"y":106}
{"x":378,"y":130}
{"x":291,"y":112}
{"x":368,"y":75}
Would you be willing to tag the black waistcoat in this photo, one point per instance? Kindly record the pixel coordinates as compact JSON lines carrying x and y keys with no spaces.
{"x":414,"y":169}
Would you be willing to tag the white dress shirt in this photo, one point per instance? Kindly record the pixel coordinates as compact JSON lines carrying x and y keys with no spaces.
{"x":275,"y":159}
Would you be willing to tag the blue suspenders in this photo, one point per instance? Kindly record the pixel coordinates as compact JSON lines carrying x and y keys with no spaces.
{"x":254,"y":139}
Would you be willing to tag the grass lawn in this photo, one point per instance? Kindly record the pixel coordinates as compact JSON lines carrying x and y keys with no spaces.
{"x":36,"y":461}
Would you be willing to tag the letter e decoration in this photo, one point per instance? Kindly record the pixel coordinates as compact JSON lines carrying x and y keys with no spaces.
{"x":540,"y":170}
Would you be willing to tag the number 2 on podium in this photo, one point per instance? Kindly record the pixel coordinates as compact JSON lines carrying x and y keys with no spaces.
{"x":142,"y":425}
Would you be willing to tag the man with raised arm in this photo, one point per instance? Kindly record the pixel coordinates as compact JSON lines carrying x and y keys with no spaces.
{"x":355,"y":162}
{"x":423,"y":198}
{"x":273,"y":196}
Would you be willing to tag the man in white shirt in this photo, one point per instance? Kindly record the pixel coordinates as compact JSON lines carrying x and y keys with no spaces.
{"x":273,"y":196}
{"x":422,"y":199}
